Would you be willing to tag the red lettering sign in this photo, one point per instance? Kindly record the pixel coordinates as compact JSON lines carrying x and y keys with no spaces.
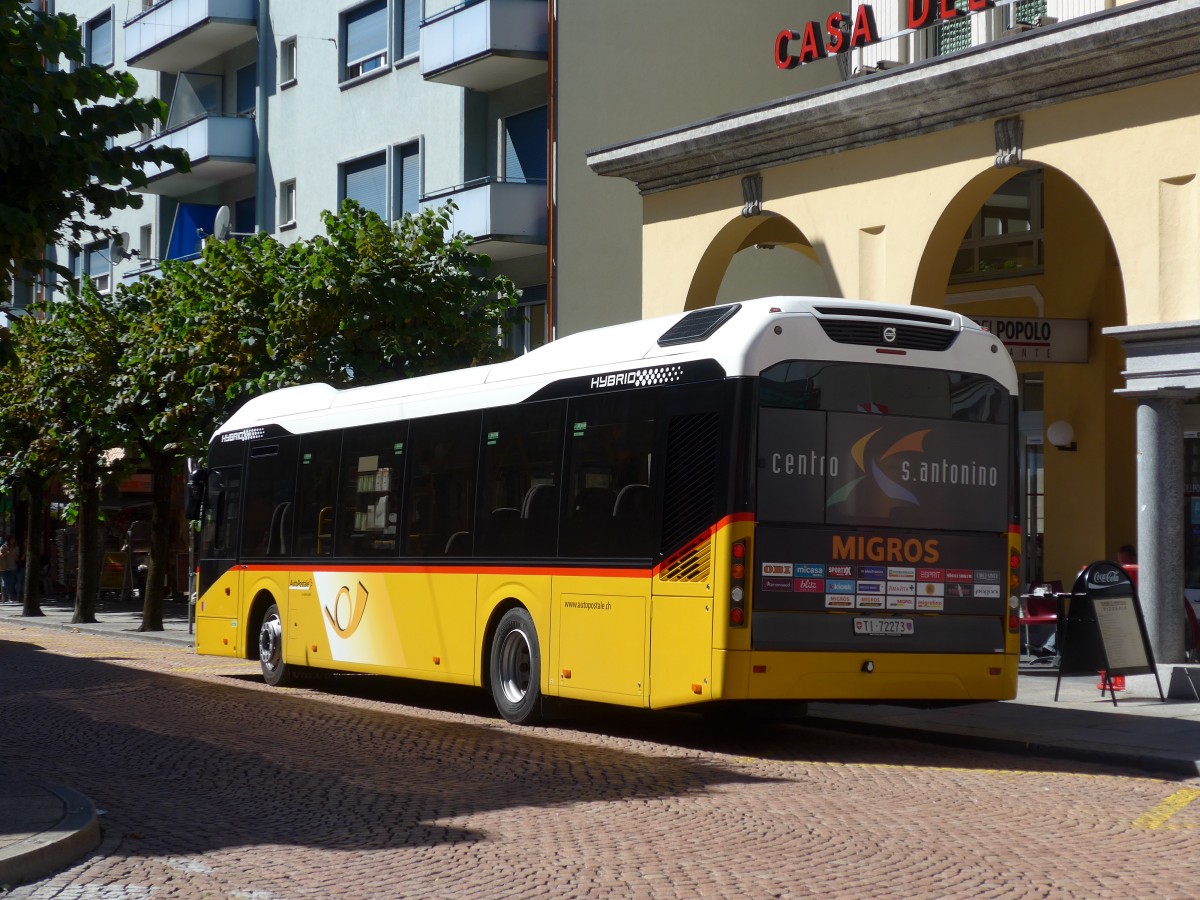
{"x":833,"y":27}
{"x":865,"y":31}
{"x":783,"y":59}
{"x":812,"y":47}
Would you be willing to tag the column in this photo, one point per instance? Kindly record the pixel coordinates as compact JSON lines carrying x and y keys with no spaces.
{"x":1160,"y":524}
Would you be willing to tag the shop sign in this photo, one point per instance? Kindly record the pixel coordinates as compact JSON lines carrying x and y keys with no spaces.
{"x":1040,"y":340}
{"x":842,"y":33}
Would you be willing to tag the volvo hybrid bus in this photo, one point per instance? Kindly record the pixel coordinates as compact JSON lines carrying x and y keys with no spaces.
{"x":784,"y":499}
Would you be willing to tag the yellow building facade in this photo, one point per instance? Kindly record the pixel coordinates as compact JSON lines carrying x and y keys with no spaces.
{"x":1046,"y":181}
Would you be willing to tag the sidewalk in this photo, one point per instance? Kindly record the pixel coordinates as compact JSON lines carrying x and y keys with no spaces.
{"x":44,"y":828}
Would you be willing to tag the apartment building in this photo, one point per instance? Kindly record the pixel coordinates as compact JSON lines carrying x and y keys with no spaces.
{"x":287,"y":108}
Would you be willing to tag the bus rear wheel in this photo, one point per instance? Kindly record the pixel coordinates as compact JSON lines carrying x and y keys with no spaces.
{"x":275,"y":671}
{"x":516,"y":669}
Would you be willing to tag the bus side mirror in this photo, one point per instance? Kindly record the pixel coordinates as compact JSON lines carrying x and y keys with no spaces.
{"x":196,"y":490}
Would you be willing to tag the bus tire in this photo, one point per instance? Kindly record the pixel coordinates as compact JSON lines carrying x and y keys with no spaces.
{"x":515,"y":668}
{"x":275,"y":671}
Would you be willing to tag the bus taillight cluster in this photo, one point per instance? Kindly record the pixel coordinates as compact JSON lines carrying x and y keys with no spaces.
{"x":737,"y":585}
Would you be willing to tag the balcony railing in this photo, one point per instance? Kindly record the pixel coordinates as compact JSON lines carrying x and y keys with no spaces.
{"x":220,"y":148}
{"x":486,"y":45}
{"x":178,"y":35}
{"x":506,"y":218}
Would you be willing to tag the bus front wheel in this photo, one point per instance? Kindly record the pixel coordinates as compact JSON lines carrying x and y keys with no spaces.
{"x":516,"y":668}
{"x":275,"y":671}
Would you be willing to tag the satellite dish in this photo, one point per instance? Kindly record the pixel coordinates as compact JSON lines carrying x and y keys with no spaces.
{"x":118,"y":247}
{"x":221,"y":224}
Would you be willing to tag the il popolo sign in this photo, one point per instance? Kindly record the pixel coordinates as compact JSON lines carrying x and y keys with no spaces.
{"x":1040,"y":340}
{"x":843,"y":32}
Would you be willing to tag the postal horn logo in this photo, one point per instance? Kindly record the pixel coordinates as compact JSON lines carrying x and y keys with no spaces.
{"x":345,"y":614}
{"x":876,"y":467}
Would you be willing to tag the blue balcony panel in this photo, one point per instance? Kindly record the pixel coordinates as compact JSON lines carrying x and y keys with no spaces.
{"x":221,"y":148}
{"x":180,"y":35}
{"x":506,"y":219}
{"x":486,"y":45}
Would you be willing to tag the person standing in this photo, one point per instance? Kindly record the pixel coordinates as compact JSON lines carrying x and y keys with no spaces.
{"x":9,"y":563}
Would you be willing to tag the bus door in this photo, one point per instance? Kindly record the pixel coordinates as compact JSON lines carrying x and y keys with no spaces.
{"x":219,"y":583}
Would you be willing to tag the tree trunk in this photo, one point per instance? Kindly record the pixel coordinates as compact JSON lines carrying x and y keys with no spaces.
{"x":35,"y":531}
{"x":160,"y":543}
{"x":88,"y":528}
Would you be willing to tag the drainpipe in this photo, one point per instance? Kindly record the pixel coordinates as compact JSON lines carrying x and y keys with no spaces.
{"x":264,"y":211}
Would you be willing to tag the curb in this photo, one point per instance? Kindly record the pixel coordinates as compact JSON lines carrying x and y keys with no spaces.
{"x":159,"y":637}
{"x":75,"y":835}
{"x":1015,"y":746}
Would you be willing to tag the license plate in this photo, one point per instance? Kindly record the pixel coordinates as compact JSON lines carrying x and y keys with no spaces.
{"x":883,"y":626}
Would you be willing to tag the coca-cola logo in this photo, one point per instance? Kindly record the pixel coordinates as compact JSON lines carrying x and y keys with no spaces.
{"x":1108,"y":576}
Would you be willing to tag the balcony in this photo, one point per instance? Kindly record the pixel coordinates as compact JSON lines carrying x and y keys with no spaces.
{"x":485,"y":45}
{"x":221,"y":148}
{"x":178,"y":35}
{"x":506,"y":218}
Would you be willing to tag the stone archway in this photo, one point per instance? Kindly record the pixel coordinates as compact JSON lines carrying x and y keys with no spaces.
{"x":733,"y":266}
{"x":1086,"y":508}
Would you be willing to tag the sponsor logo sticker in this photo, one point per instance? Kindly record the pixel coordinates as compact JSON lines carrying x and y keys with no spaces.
{"x":871,"y":602}
{"x":777,"y":584}
{"x":931,"y":604}
{"x":991,"y":591}
{"x":841,"y":571}
{"x":901,"y":573}
{"x":902,"y":588}
{"x":931,"y":575}
{"x":931,"y":589}
{"x":960,"y":576}
{"x":901,"y":602}
{"x":773,"y":568}
{"x":809,"y":585}
{"x":839,"y":601}
{"x":807,"y":570}
{"x":872,"y":573}
{"x":839,"y":586}
{"x":987,"y":576}
{"x":871,"y":587}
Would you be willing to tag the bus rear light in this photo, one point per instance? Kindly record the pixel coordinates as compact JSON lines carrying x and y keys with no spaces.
{"x":1013,"y":622}
{"x":737,"y":585}
{"x":759,"y":670}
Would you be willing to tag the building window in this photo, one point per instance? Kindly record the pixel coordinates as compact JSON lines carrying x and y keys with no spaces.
{"x":365,"y":181}
{"x":524,"y":142}
{"x":287,"y":203}
{"x":1005,"y":237}
{"x":409,"y":20}
{"x":365,"y":38}
{"x":952,"y":35}
{"x":146,"y":244}
{"x":247,"y":90}
{"x":526,"y":327}
{"x":287,"y":61}
{"x":407,"y":179}
{"x":100,"y":40}
{"x":94,"y":262}
{"x":244,"y":211}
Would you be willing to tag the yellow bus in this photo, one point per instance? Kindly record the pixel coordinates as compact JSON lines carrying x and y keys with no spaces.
{"x":784,"y":499}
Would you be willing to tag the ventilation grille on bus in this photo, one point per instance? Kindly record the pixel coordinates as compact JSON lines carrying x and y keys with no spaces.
{"x":689,"y":501}
{"x":908,"y":337}
{"x":698,"y":326}
{"x":694,"y":566}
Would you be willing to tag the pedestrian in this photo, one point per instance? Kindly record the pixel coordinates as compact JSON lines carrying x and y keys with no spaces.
{"x":1127,"y":560}
{"x":9,"y":563}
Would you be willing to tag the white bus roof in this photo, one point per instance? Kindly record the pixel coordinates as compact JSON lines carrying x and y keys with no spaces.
{"x":743,"y":338}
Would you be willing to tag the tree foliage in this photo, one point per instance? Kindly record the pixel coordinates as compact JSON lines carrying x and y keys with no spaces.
{"x":60,"y":143}
{"x":366,"y":302}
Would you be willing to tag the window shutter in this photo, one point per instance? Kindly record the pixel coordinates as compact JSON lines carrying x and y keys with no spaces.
{"x":366,"y":183}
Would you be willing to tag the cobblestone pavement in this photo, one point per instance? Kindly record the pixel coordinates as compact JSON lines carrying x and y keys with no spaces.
{"x":213,"y":785}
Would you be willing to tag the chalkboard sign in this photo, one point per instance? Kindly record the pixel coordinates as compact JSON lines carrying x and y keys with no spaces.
{"x":1103,"y":628}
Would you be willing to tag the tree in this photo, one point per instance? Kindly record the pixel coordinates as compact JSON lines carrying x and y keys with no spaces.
{"x":367,"y":302}
{"x":60,"y":153}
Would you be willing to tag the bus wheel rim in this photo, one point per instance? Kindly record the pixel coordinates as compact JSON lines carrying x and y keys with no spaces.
{"x":514,"y":666}
{"x":270,"y":642}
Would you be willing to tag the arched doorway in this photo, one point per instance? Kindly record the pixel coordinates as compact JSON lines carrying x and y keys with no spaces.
{"x":757,"y":257}
{"x":1026,"y":252}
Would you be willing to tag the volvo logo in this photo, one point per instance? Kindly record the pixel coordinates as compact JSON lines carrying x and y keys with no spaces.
{"x":889,"y":334}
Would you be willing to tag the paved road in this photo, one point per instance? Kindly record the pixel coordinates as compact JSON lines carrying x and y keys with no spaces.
{"x":213,"y":785}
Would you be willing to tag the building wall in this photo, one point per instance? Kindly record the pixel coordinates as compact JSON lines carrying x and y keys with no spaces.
{"x":1122,"y":207}
{"x":628,"y":68}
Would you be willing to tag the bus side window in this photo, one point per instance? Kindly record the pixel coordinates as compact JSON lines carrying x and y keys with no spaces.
{"x":270,"y":491}
{"x":316,"y":493}
{"x":440,"y":485}
{"x":373,"y":459}
{"x":609,"y":511}
{"x":518,"y":503}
